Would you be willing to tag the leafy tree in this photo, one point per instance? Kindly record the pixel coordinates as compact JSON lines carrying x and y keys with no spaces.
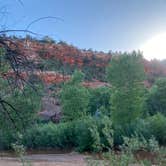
{"x":12,"y":64}
{"x":125,"y":70}
{"x":77,"y":78}
{"x":17,"y":105}
{"x":156,"y":101}
{"x":126,"y":75}
{"x":21,"y":107}
{"x":74,"y":98}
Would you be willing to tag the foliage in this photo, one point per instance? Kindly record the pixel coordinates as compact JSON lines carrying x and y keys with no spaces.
{"x":136,"y":143}
{"x":156,"y":100}
{"x":87,"y":136}
{"x":106,"y":132}
{"x":157,"y":126}
{"x":139,"y":126}
{"x":152,"y":126}
{"x":99,"y":102}
{"x":123,"y":159}
{"x":92,"y":121}
{"x":50,"y":136}
{"x":4,"y":65}
{"x":20,"y":150}
{"x":126,"y":75}
{"x":126,"y":70}
{"x":129,"y":154}
{"x":126,"y":106}
{"x":25,"y":104}
{"x":94,"y":134}
{"x":74,"y":98}
{"x":6,"y":138}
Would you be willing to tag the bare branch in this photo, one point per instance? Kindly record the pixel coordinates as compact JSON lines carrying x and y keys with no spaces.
{"x":18,"y":30}
{"x":6,"y":112}
{"x":20,"y":1}
{"x":43,"y":18}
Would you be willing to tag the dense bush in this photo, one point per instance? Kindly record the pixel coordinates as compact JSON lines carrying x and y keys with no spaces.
{"x":94,"y":134}
{"x":156,"y":100}
{"x":106,"y":132}
{"x":87,"y":134}
{"x":136,"y":143}
{"x":74,"y":98}
{"x":152,"y":126}
{"x":127,"y":130}
{"x":21,"y":106}
{"x":6,"y":138}
{"x":157,"y":127}
{"x":50,"y":136}
{"x":99,"y":101}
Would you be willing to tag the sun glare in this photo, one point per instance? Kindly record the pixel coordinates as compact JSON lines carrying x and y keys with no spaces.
{"x":155,"y":48}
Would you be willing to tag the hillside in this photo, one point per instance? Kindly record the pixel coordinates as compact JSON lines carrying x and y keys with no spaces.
{"x":55,"y":62}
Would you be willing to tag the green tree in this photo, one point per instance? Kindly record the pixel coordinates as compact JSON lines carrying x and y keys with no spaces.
{"x":156,"y":101}
{"x":126,"y":75}
{"x":74,"y":98}
{"x":21,"y":107}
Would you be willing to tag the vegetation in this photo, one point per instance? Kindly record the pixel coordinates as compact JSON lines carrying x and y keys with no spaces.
{"x":25,"y":104}
{"x":126,"y":76}
{"x":99,"y":102}
{"x":126,"y":115}
{"x":156,"y":100}
{"x":74,"y":98}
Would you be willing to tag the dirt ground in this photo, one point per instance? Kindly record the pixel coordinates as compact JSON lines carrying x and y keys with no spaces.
{"x":47,"y":160}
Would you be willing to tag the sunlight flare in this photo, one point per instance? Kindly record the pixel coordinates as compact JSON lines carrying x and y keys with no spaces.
{"x":155,"y":48}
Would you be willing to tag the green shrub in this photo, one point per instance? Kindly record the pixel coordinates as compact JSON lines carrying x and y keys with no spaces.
{"x":136,"y":143}
{"x":156,"y":99}
{"x":105,"y":131}
{"x":6,"y":138}
{"x":99,"y":101}
{"x":50,"y":136}
{"x":157,"y":127}
{"x":87,"y":135}
{"x":94,"y":134}
{"x":19,"y":149}
{"x":153,"y":126}
{"x":139,"y":127}
{"x":74,"y":98}
{"x":127,"y":130}
{"x":123,"y":159}
{"x":21,"y":106}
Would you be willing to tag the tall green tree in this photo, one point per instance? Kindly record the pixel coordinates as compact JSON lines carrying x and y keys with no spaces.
{"x":74,"y":98}
{"x":126,"y":74}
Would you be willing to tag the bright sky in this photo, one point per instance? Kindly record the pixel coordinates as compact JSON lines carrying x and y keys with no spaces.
{"x":117,"y":25}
